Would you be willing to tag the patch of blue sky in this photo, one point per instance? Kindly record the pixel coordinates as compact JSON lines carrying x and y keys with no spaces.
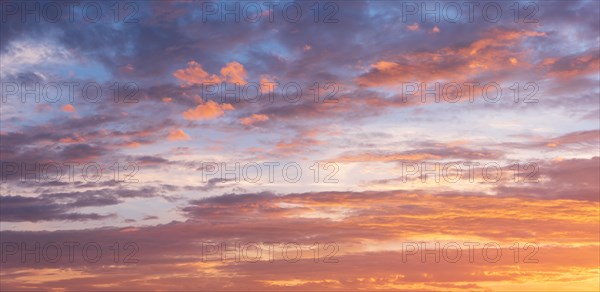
{"x":91,"y":70}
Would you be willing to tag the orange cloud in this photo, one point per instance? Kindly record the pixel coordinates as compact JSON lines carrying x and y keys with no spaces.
{"x":247,"y":121}
{"x":580,"y":64}
{"x":233,"y":72}
{"x":413,"y":27}
{"x":267,"y":83}
{"x":363,"y":157}
{"x":431,"y":152}
{"x":369,"y":229}
{"x":207,"y":111}
{"x":490,"y":52}
{"x":76,"y":138}
{"x":195,"y":74}
{"x":177,"y":135}
{"x":132,"y":144}
{"x":69,"y":108}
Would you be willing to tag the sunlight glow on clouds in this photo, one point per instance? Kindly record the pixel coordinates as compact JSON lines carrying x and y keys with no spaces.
{"x":357,"y":145}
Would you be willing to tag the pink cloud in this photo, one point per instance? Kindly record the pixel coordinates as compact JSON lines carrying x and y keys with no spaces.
{"x":413,"y":27}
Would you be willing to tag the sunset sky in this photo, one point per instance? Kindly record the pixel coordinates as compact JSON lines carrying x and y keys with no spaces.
{"x":307,"y":145}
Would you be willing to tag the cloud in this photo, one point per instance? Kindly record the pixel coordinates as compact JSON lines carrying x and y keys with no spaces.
{"x":578,"y":140}
{"x":575,"y":65}
{"x":426,"y":152}
{"x":63,"y":206}
{"x":491,"y":52}
{"x":234,"y":72}
{"x":178,"y":135}
{"x":573,"y":179}
{"x":207,"y":111}
{"x":413,"y":27}
{"x":18,"y":209}
{"x":367,"y":227}
{"x":254,"y":118}
{"x":127,"y":68}
{"x":69,"y":108}
{"x":369,"y":48}
{"x":194,"y":74}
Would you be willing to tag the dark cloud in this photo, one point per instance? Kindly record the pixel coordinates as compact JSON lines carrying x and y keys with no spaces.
{"x":64,"y":206}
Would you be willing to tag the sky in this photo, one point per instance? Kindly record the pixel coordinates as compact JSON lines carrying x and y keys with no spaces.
{"x":300,"y":145}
